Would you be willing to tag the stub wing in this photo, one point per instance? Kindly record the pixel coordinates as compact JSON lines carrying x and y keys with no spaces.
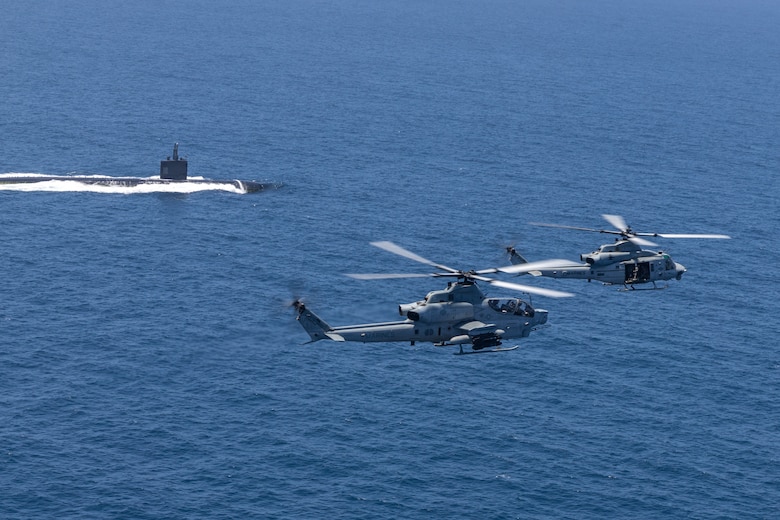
{"x":475,"y":328}
{"x":479,"y":335}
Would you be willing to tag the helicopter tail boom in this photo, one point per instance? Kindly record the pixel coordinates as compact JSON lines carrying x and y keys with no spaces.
{"x":315,"y":326}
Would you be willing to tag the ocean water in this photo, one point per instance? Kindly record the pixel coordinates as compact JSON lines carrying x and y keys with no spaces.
{"x":149,"y":366}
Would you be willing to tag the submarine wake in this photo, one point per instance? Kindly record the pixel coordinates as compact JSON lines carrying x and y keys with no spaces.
{"x":172,"y":179}
{"x":124,"y":185}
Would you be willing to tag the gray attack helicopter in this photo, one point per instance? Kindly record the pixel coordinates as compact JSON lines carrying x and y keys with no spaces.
{"x":458,"y":315}
{"x":623,"y":262}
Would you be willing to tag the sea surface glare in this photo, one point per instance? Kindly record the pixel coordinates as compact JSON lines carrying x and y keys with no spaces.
{"x":151,"y":368}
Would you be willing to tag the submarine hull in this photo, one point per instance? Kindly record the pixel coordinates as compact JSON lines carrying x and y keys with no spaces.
{"x":173,"y":171}
{"x":246,"y":186}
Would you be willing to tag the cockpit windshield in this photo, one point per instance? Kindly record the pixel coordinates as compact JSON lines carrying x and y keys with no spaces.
{"x":511,"y":306}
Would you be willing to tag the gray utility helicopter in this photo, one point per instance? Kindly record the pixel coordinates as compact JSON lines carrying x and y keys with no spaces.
{"x":460,"y":314}
{"x":622,"y":262}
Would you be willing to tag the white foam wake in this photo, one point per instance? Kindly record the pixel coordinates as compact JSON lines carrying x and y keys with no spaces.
{"x":65,"y":185}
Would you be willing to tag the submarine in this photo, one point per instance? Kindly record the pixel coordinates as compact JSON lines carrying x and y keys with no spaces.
{"x":173,"y":170}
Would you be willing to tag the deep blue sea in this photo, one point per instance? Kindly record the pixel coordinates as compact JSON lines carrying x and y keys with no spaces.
{"x":149,"y":366}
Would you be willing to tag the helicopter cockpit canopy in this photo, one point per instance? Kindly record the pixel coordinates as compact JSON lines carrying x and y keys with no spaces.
{"x":511,"y":306}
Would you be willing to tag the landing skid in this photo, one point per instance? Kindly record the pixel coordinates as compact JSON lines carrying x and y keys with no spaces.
{"x":483,"y":351}
{"x":630,"y":287}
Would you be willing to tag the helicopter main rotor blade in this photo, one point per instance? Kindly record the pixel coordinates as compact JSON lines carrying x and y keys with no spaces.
{"x":551,"y":293}
{"x":525,"y":288}
{"x":398,"y":250}
{"x":618,"y":222}
{"x":542,"y":224}
{"x":625,"y":231}
{"x":681,"y":235}
{"x":450,"y":272}
{"x":628,"y":234}
{"x":640,"y":241}
{"x":387,"y":276}
{"x":530,"y":266}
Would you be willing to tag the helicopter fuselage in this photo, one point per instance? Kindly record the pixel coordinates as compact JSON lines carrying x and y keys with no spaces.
{"x":623,"y":262}
{"x":620,"y":263}
{"x":456,"y":315}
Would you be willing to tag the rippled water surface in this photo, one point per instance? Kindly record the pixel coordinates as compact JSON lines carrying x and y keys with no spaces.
{"x":150,"y":369}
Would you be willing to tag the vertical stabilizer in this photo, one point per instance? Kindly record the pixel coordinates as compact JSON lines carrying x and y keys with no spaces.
{"x":515,"y":257}
{"x":314,"y":325}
